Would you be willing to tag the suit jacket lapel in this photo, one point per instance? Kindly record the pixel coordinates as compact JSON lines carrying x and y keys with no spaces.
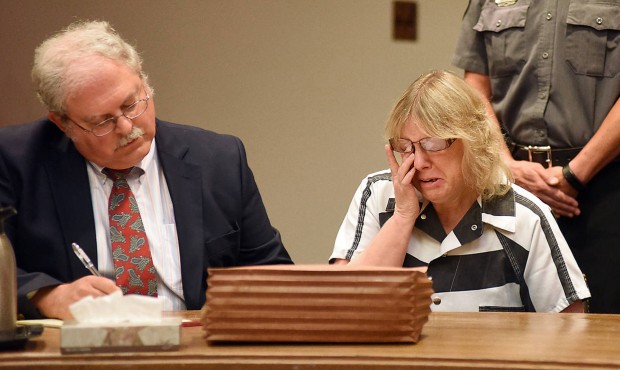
{"x":72,"y":200}
{"x":74,"y":205}
{"x":185,"y":186}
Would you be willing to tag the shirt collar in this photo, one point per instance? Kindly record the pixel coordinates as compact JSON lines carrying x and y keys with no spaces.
{"x":142,"y":166}
{"x":498,"y":212}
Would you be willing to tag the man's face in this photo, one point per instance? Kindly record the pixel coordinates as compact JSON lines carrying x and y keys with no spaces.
{"x":109,"y":89}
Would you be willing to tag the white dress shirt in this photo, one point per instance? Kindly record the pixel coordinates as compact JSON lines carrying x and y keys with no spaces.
{"x":151,"y":192}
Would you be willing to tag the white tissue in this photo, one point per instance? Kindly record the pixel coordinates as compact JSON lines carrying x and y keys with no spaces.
{"x":117,"y":308}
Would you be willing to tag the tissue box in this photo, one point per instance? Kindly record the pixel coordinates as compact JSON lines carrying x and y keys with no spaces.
{"x":162,"y":335}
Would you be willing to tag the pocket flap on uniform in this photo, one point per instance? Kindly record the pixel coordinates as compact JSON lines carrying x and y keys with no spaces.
{"x":597,"y":16}
{"x":494,"y":18}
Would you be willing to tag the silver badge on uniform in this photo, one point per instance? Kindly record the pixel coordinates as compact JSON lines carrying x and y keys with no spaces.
{"x":505,"y":2}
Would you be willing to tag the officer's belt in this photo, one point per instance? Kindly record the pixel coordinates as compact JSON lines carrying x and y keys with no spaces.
{"x":544,"y":155}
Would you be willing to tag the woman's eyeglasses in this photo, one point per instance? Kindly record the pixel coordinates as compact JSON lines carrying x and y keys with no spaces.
{"x":428,"y":144}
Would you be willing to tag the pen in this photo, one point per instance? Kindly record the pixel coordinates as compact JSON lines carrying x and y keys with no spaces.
{"x":85,"y":260}
{"x":189,"y":322}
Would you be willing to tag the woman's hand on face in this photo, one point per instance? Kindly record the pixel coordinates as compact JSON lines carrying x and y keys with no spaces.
{"x":407,"y":203}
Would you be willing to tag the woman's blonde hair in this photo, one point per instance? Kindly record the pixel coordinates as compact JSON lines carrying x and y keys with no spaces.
{"x":443,"y":105}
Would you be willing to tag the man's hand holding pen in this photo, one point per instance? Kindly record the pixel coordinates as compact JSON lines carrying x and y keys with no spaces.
{"x":54,"y":301}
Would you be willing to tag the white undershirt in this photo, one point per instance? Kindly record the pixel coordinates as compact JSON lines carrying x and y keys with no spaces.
{"x":156,"y":210}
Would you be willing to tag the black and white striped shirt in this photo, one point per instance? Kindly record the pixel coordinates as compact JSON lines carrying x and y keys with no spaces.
{"x":507,"y":254}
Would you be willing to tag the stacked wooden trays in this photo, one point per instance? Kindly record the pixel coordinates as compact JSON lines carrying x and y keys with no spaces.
{"x":316,"y":303}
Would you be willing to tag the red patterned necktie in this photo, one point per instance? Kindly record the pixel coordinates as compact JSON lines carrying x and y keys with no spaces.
{"x":133,"y":264}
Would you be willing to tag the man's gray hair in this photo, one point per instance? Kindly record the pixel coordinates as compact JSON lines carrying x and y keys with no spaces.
{"x":64,"y":62}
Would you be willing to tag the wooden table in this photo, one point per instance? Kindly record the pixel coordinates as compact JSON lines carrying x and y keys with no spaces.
{"x":449,"y":340}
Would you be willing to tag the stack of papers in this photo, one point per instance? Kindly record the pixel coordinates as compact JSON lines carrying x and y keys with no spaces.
{"x":316,"y":303}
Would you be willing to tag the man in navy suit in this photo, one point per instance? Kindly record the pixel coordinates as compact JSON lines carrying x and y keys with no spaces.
{"x":197,"y":197}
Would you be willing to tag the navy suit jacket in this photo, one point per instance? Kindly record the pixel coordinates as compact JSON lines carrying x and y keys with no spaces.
{"x":220,"y":217}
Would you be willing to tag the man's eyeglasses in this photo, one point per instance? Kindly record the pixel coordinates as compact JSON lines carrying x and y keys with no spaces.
{"x":429,"y":144}
{"x":131,"y":112}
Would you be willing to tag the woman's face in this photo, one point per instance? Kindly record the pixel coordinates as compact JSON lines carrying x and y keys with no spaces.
{"x":438,"y":175}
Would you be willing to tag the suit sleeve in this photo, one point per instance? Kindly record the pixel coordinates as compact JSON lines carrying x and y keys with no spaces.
{"x":27,"y":282}
{"x":261,"y":243}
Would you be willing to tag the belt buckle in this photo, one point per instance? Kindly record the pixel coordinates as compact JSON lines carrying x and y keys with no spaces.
{"x":539,"y":149}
